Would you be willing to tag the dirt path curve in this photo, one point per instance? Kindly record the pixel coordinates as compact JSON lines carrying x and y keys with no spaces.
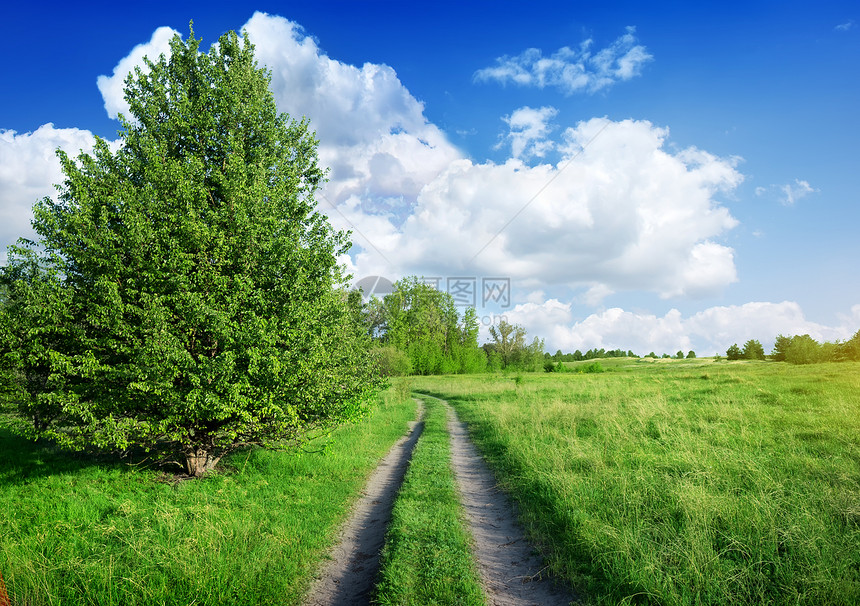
{"x":348,"y":578}
{"x":510,"y":572}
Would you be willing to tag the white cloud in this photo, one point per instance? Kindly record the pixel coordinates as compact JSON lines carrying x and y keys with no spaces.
{"x":374,"y":137}
{"x":595,"y":295}
{"x":618,"y":212}
{"x":572,"y":70}
{"x":112,"y":87}
{"x":707,"y":332}
{"x":373,"y":133}
{"x":844,"y":27}
{"x":789,"y":193}
{"x":528,"y":130}
{"x":625,"y":214}
{"x":28,"y":170}
{"x":795,"y":192}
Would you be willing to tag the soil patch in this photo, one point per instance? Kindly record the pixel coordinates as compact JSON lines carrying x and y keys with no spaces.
{"x":347,"y":579}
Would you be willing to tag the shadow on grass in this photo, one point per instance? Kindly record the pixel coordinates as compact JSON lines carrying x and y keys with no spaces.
{"x":23,"y":460}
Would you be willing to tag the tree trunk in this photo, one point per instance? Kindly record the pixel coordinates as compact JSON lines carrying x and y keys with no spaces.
{"x":200,"y":460}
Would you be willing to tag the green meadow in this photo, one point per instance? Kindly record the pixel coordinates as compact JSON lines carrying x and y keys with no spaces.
{"x":652,"y":482}
{"x":680,"y":482}
{"x":78,"y":531}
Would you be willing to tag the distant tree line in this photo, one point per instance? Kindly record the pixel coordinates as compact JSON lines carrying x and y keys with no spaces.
{"x":417,"y":330}
{"x":799,"y":349}
{"x":591,"y":354}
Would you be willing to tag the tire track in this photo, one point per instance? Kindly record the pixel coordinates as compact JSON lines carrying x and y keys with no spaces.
{"x":348,"y":579}
{"x":510,"y":571}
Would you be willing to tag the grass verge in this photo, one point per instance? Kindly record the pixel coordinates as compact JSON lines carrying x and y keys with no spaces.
{"x":677,"y":484}
{"x":426,"y":558}
{"x":80,"y":532}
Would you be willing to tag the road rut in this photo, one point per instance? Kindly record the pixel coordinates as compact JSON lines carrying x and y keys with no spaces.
{"x":347,"y":580}
{"x":509,"y":568}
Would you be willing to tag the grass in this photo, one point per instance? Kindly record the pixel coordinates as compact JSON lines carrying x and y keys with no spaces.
{"x":689,"y":482}
{"x":426,"y":558}
{"x":78,"y":531}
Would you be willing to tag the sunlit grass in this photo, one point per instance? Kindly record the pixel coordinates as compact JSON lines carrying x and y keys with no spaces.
{"x":682,"y":483}
{"x":77,"y":531}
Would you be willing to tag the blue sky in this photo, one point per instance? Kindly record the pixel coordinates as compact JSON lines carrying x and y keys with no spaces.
{"x":678,"y":177}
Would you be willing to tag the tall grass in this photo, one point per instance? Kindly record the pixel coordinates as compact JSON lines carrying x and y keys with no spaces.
{"x":683,"y":483}
{"x":78,"y":531}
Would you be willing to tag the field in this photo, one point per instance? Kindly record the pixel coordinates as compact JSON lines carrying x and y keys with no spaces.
{"x":681,"y":482}
{"x":664,"y":482}
{"x":80,"y":531}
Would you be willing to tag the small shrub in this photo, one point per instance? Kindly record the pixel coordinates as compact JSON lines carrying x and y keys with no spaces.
{"x":593,"y":367}
{"x":392,"y":362}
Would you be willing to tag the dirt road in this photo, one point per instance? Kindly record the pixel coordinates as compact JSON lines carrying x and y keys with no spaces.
{"x":511,"y":572}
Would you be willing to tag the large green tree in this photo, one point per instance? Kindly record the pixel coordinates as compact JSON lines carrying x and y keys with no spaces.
{"x":184,"y":295}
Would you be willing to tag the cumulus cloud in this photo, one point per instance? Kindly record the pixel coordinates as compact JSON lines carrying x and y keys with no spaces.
{"x":28,"y":170}
{"x":707,"y":332}
{"x":374,"y":138}
{"x":112,"y":87}
{"x":572,"y":70}
{"x":617,"y":212}
{"x":528,"y":131}
{"x":373,"y":134}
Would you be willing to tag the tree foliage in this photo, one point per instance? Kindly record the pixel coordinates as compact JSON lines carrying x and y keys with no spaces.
{"x":803,"y":349}
{"x":392,"y":362}
{"x":780,"y":347}
{"x":753,"y":350}
{"x":507,"y":339}
{"x":734,"y":352}
{"x":423,"y":322}
{"x":184,"y":295}
{"x":850,"y":350}
{"x":509,"y":346}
